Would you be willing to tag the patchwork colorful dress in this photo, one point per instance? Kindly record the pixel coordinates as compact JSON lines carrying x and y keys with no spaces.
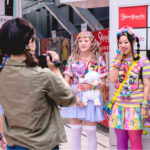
{"x":90,"y":112}
{"x":126,"y":112}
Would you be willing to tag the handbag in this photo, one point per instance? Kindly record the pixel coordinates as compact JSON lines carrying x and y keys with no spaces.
{"x":109,"y":104}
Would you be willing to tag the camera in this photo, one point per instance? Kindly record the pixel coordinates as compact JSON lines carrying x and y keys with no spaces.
{"x":43,"y":63}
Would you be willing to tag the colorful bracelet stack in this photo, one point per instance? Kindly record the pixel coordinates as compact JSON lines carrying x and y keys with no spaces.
{"x":117,"y":64}
{"x":93,"y":87}
{"x":145,"y":104}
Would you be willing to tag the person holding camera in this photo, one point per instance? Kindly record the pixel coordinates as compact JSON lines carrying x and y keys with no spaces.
{"x":29,"y":94}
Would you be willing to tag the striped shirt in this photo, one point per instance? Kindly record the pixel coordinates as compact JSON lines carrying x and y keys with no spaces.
{"x":132,"y":93}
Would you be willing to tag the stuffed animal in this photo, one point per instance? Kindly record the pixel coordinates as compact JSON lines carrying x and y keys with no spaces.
{"x":93,"y":78}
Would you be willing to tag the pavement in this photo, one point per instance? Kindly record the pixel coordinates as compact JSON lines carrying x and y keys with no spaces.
{"x":102,"y":138}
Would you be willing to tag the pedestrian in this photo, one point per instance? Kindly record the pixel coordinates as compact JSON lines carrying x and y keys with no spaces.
{"x":85,"y":57}
{"x":29,"y":94}
{"x":130,"y":105}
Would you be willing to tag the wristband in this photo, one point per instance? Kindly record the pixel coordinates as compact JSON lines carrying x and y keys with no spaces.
{"x":117,"y":64}
{"x":93,"y":87}
{"x":145,"y":104}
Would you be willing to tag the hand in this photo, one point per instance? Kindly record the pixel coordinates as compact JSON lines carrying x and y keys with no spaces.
{"x":119,"y":55}
{"x":84,"y":86}
{"x":143,"y":112}
{"x":79,"y":103}
{"x":54,"y":58}
{"x":3,"y":143}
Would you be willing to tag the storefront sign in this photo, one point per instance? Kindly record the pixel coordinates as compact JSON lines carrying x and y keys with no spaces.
{"x":141,"y":34}
{"x":133,"y":16}
{"x":53,"y":33}
{"x":102,"y":37}
{"x":84,"y":27}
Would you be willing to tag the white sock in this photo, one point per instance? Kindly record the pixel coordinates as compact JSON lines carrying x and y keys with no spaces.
{"x":91,"y":136}
{"x":76,"y":137}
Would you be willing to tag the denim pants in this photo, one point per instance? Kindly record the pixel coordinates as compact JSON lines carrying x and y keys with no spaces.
{"x":23,"y":148}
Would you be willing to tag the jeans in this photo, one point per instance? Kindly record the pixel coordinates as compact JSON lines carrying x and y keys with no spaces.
{"x":23,"y":148}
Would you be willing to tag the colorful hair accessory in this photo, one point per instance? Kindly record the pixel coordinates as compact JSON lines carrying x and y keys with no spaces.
{"x":85,"y":34}
{"x":126,"y":30}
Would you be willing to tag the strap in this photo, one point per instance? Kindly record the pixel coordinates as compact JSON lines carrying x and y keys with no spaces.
{"x":121,"y":85}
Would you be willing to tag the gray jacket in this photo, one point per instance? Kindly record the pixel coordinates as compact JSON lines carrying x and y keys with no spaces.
{"x":31,"y":119}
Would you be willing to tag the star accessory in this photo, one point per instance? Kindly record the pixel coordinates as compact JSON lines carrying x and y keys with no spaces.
{"x":85,"y":34}
{"x":126,"y":30}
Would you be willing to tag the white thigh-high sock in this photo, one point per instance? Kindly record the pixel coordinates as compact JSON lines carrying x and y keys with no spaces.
{"x":91,"y":136}
{"x":76,"y":137}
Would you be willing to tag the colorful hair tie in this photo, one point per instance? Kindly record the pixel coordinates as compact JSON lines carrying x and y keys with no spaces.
{"x":85,"y":34}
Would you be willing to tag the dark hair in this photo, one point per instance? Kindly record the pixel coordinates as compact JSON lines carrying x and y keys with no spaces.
{"x":15,"y":35}
{"x":131,"y":40}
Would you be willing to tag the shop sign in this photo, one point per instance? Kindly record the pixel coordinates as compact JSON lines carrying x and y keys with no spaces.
{"x":133,"y":16}
{"x":102,"y":37}
{"x":141,"y":34}
{"x":53,"y":33}
{"x":84,"y":27}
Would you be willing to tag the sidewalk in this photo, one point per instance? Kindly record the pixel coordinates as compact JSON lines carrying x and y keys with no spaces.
{"x":102,"y":140}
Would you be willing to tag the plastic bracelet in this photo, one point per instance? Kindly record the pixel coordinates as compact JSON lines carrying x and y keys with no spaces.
{"x":93,"y":87}
{"x":117,"y":64}
{"x":145,"y":104}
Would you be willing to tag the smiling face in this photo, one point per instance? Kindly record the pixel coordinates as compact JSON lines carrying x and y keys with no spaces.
{"x":125,"y":46}
{"x":84,"y":44}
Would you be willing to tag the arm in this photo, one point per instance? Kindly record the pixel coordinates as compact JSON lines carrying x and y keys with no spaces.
{"x":113,"y":76}
{"x":103,"y":83}
{"x":58,"y":88}
{"x":146,"y":82}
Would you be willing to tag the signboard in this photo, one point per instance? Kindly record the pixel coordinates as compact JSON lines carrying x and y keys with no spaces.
{"x":102,"y":37}
{"x":141,"y":34}
{"x":135,"y":17}
{"x":83,"y":27}
{"x":53,"y":33}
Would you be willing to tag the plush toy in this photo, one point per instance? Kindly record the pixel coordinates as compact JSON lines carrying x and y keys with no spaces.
{"x":92,"y":78}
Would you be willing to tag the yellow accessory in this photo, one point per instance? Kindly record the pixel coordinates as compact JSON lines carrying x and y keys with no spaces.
{"x":118,"y":91}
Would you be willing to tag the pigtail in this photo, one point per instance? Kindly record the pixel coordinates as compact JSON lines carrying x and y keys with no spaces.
{"x":138,"y":48}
